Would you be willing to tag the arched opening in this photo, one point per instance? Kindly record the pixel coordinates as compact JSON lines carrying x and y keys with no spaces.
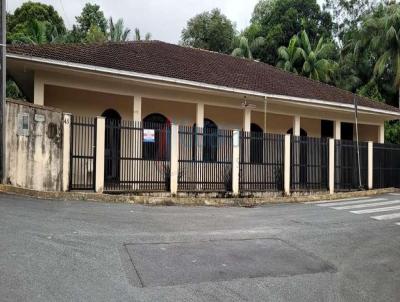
{"x":256,"y":144}
{"x":302,"y":153}
{"x":210,"y":141}
{"x":112,"y":145}
{"x":156,"y":147}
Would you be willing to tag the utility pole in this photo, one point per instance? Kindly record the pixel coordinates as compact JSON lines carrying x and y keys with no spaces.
{"x":3,"y":91}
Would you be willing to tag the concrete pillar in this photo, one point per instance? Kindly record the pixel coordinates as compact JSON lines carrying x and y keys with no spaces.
{"x":370,"y":165}
{"x":137,"y":108}
{"x":337,"y":129}
{"x":174,"y":170}
{"x":235,"y":162}
{"x":200,"y":115}
{"x":331,"y":165}
{"x":247,"y":119}
{"x":38,"y":89}
{"x":296,"y":125}
{"x":381,"y":134}
{"x":100,"y":147}
{"x":66,"y":150}
{"x":287,"y":165}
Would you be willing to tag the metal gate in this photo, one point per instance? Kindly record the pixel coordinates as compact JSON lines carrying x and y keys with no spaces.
{"x":83,"y":153}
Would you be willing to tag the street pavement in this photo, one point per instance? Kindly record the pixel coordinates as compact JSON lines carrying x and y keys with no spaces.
{"x":345,"y":250}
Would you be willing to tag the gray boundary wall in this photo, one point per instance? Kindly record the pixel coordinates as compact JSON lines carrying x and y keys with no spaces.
{"x":34,"y":140}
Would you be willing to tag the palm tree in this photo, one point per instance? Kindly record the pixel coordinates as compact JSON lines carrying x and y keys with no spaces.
{"x":290,"y":56}
{"x":244,"y":49}
{"x":117,"y":31}
{"x":36,"y":34}
{"x":384,"y":35}
{"x":138,"y":36}
{"x":316,"y":64}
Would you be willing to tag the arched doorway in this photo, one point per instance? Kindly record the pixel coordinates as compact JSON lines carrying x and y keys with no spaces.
{"x":112,"y":144}
{"x":158,"y":149}
{"x":210,"y":141}
{"x":300,"y":157}
{"x":256,"y":144}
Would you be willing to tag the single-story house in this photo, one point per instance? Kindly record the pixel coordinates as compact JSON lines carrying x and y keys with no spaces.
{"x":157,"y":81}
{"x":160,"y":83}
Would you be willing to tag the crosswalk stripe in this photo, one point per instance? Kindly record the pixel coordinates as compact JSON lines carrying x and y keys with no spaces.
{"x":367,"y":205}
{"x":387,"y":217}
{"x":367,"y":211}
{"x":329,"y":201}
{"x":351,"y":202}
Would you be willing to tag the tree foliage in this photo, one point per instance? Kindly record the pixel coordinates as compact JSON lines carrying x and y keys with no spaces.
{"x":209,"y":30}
{"x":19,"y":24}
{"x":91,"y":17}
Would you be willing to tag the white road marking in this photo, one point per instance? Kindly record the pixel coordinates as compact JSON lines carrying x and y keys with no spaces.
{"x":386,"y":209}
{"x":398,"y":223}
{"x":394,"y":194}
{"x":351,"y":202}
{"x":387,"y":217}
{"x":329,"y":201}
{"x":367,"y":205}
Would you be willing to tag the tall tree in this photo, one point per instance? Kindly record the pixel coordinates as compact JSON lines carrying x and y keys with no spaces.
{"x":33,"y":13}
{"x":118,"y":33}
{"x":209,"y":30}
{"x":290,"y":56}
{"x":90,"y":16}
{"x":279,"y":20}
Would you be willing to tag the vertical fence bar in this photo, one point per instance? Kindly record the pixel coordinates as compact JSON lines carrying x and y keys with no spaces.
{"x":99,"y":153}
{"x":235,"y":162}
{"x":287,"y":165}
{"x":174,"y":159}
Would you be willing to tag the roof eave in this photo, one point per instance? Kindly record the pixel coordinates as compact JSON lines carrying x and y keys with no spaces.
{"x":131,"y":74}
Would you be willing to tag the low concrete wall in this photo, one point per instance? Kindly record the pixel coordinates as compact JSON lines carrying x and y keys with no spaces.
{"x":34,"y":146}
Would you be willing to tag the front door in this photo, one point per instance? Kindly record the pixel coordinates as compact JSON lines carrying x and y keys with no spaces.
{"x":112,"y":150}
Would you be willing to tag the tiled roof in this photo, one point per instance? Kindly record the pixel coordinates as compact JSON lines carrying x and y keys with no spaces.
{"x":169,"y":60}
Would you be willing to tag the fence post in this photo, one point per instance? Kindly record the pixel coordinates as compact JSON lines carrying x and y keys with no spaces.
{"x":100,"y":147}
{"x":174,"y":170}
{"x":370,"y":165}
{"x":235,"y":162}
{"x":287,"y":165}
{"x":66,"y":150}
{"x":331,"y":165}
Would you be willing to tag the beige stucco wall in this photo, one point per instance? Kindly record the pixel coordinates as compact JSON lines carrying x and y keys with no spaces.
{"x":92,"y":103}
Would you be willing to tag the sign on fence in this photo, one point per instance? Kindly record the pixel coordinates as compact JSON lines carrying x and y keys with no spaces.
{"x":148,"y":136}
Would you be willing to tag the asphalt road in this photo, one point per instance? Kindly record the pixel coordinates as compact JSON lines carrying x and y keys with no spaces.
{"x":83,"y":251}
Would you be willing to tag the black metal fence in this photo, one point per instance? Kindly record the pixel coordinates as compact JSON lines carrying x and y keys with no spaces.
{"x":386,"y":165}
{"x":205,"y":159}
{"x":346,"y":165}
{"x":137,"y":156}
{"x":261,"y":162}
{"x":309,"y":164}
{"x":83,"y":153}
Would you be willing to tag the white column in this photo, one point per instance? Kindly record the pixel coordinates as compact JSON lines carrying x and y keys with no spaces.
{"x":247,"y":119}
{"x":174,"y":159}
{"x":337,"y":129}
{"x":66,"y":150}
{"x":38,"y":89}
{"x":381,"y":134}
{"x":200,"y":115}
{"x":235,"y":162}
{"x":370,"y":165}
{"x":331,"y":165}
{"x":100,"y":145}
{"x":287,"y":165}
{"x":137,"y":108}
{"x":296,"y":125}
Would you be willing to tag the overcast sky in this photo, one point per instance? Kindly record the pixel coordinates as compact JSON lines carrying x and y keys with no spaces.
{"x":164,"y":19}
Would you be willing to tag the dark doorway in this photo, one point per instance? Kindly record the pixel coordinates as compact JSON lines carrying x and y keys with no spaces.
{"x":256,"y":144}
{"x":326,"y":129}
{"x":347,"y":131}
{"x":112,"y":145}
{"x":157,"y":149}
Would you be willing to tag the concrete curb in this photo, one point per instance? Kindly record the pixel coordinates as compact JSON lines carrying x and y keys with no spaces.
{"x":186,"y":201}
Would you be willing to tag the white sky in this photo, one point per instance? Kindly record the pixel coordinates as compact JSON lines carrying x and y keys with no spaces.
{"x":164,"y":19}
